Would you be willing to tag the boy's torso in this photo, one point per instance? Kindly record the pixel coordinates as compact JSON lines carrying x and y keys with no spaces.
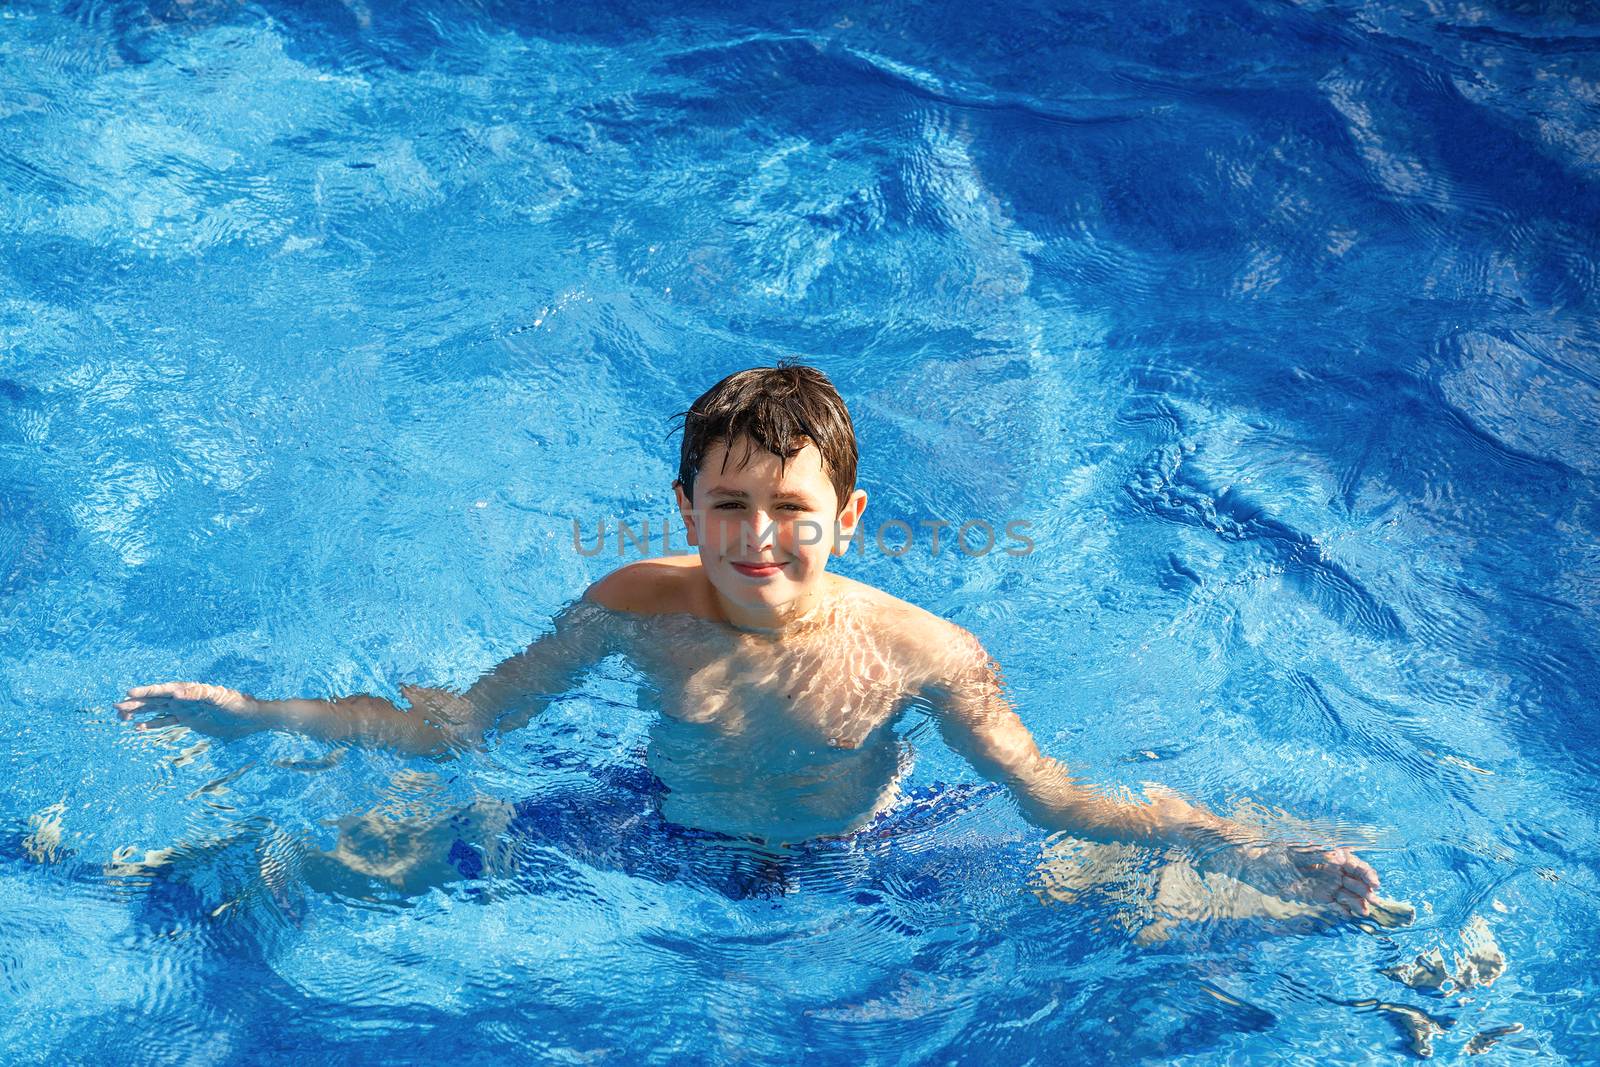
{"x":777,"y":737}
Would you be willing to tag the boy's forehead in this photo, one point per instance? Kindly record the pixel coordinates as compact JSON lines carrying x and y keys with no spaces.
{"x":748,"y":462}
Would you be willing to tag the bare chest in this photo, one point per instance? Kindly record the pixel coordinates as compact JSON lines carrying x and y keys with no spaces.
{"x":822,"y":695}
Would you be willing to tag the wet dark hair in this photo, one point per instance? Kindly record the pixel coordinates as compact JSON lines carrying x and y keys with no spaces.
{"x":779,"y":409}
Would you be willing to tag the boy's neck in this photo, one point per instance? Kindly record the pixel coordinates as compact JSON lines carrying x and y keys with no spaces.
{"x":786,"y":620}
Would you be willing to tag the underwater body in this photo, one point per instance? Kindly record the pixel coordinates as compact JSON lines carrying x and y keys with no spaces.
{"x":324,"y":325}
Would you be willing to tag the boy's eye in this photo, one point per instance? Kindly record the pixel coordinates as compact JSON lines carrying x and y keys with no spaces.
{"x":728,"y":505}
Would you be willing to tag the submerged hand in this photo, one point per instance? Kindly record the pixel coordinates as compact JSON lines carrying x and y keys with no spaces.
{"x":210,"y":709}
{"x":1309,"y":873}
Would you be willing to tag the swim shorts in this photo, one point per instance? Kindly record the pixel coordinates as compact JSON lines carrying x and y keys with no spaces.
{"x":614,"y":822}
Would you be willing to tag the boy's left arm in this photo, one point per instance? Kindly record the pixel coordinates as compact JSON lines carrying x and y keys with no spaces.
{"x":978,"y":721}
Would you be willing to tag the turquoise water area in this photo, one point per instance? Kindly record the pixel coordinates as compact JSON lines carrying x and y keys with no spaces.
{"x":320,"y":325}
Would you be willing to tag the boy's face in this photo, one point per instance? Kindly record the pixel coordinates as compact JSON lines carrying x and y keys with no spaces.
{"x":765,"y":529}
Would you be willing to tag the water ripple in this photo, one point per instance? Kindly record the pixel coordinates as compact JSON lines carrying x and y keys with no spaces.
{"x":320,"y":323}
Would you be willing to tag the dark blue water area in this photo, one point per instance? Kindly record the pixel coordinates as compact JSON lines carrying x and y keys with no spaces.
{"x":321,"y":324}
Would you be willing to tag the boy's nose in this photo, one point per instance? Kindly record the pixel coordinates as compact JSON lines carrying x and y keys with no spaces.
{"x":759,"y":532}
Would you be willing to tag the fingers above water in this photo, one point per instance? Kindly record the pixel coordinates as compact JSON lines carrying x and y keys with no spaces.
{"x":196,"y":693}
{"x":178,"y":690}
{"x":1359,"y":885}
{"x":1337,"y":894}
{"x":1341,"y":863}
{"x":1364,"y":871}
{"x":1355,"y":904}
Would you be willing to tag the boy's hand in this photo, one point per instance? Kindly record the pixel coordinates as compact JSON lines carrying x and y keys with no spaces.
{"x":1303,"y":872}
{"x":210,"y":709}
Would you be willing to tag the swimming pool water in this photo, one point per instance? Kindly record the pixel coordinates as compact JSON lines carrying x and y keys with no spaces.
{"x":320,"y":324}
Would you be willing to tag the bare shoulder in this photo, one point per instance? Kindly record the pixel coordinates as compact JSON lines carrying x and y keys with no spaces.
{"x":660,"y":586}
{"x":935,"y":650}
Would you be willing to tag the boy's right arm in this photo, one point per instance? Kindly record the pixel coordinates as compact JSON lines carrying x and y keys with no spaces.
{"x":978,"y":721}
{"x":438,"y":723}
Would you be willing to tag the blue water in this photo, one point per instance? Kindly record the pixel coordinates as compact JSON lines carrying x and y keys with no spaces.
{"x":320,"y":324}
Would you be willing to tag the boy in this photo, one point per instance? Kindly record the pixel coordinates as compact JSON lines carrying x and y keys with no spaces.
{"x":778,"y":684}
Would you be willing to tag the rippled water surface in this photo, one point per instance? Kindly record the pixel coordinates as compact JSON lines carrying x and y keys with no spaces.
{"x":319,"y":324}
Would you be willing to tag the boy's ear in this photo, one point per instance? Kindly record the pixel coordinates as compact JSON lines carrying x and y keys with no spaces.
{"x":849,"y":519}
{"x":686,"y":511}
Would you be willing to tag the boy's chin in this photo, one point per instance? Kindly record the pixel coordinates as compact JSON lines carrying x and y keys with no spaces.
{"x":767,"y":596}
{"x":773,"y":594}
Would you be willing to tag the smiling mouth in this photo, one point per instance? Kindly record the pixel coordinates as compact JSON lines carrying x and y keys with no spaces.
{"x":758,"y":570}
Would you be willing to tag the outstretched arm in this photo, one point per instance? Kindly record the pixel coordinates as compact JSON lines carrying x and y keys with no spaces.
{"x":978,"y":721}
{"x":438,"y":722}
